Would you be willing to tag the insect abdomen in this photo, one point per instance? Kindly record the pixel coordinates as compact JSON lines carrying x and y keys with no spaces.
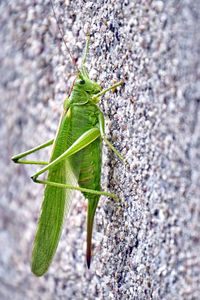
{"x":85,"y":117}
{"x":90,"y":170}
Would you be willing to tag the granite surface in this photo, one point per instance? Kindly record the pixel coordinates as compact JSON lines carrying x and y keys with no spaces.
{"x":148,"y":247}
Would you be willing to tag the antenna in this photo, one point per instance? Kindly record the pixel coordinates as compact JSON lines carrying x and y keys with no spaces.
{"x":62,"y":35}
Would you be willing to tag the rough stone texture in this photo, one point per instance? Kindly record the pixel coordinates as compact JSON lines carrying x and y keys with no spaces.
{"x":148,"y":248}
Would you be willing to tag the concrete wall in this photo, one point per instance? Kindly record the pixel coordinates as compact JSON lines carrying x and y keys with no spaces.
{"x":148,"y":247}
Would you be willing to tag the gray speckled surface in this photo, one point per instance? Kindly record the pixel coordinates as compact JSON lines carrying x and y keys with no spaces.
{"x":149,"y":247}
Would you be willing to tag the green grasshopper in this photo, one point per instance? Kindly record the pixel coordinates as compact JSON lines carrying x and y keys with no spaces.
{"x":75,"y":157}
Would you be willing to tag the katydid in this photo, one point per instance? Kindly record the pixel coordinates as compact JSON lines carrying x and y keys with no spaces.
{"x":75,"y":158}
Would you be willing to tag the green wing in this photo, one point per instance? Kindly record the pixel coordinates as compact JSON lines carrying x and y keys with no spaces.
{"x":55,"y":205}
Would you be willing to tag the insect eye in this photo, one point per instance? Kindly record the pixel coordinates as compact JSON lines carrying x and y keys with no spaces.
{"x":82,"y":81}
